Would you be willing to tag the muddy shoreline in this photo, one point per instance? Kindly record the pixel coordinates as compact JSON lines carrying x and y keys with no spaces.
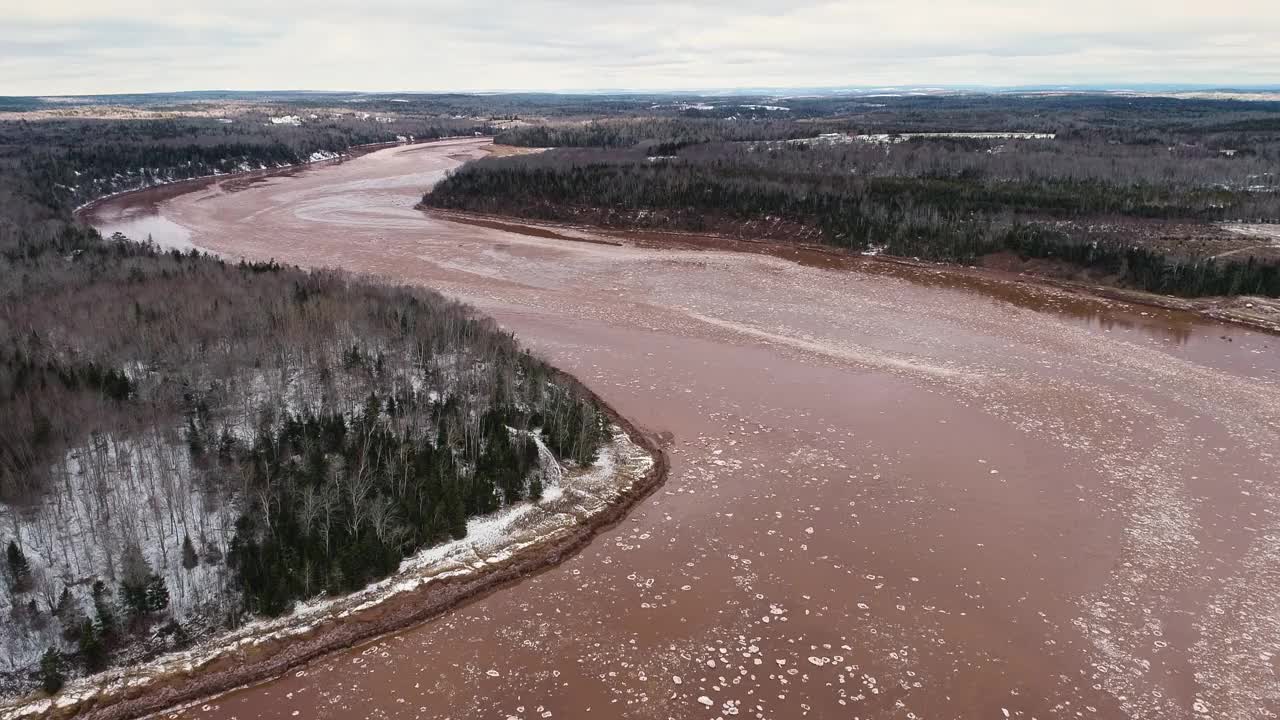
{"x":274,"y":656}
{"x":1245,"y":311}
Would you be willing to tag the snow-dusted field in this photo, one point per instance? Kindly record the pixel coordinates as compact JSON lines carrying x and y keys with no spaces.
{"x":1266,"y":232}
{"x":888,"y":138}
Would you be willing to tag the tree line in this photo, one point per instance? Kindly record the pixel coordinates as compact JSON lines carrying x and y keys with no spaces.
{"x":952,"y":198}
{"x":72,"y":161}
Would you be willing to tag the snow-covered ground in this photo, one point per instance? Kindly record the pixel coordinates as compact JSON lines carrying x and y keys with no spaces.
{"x":1264,"y":236}
{"x":891,"y":138}
{"x":1269,"y":232}
{"x":122,"y":488}
{"x":112,"y":492}
{"x":571,"y":497}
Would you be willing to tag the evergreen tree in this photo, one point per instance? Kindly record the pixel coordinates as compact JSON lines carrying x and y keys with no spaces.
{"x":195,"y":443}
{"x":106,"y":621}
{"x":53,"y":670}
{"x":135,"y":569}
{"x":177,"y":633}
{"x":65,"y":602}
{"x":92,"y":647}
{"x":19,"y":568}
{"x":135,"y":577}
{"x":135,"y":601}
{"x":189,"y":557}
{"x":71,"y":616}
{"x":157,"y":594}
{"x":457,"y":516}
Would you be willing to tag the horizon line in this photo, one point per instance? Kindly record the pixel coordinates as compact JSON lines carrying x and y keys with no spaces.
{"x":977,"y":88}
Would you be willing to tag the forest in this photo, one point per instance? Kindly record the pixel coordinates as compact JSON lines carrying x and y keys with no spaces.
{"x":188,"y":443}
{"x":1135,"y":201}
{"x":70,"y":162}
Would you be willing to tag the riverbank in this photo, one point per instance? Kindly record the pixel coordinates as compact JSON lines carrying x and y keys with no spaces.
{"x":1253,"y":312}
{"x":498,"y":551}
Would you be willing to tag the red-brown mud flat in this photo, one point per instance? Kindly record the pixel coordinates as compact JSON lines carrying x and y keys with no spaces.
{"x":892,"y":494}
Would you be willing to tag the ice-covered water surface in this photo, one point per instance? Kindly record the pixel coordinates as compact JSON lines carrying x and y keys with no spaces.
{"x":892,"y":495}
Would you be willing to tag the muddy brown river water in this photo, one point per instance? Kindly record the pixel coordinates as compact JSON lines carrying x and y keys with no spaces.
{"x":894,"y":494}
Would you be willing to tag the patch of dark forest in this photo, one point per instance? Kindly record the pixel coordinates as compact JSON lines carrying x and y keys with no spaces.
{"x":1122,"y":200}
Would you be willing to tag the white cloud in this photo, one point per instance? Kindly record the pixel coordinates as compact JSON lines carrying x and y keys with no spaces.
{"x":70,"y":46}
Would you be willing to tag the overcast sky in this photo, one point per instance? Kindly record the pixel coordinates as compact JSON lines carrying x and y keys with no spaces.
{"x":100,"y":46}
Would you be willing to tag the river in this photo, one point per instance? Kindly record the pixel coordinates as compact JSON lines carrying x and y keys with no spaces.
{"x":895,"y":492}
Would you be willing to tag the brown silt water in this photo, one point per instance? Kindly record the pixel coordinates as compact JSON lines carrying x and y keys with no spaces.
{"x":894,"y":492}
